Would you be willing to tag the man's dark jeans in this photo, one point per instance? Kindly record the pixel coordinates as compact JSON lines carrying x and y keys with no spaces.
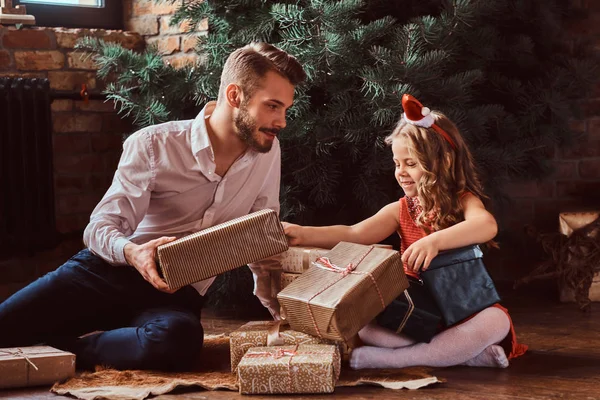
{"x":143,"y":328}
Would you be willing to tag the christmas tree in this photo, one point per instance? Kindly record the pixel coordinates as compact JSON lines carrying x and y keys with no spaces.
{"x":500,"y":69}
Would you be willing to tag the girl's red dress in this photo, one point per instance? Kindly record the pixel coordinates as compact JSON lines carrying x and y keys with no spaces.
{"x":410,"y":232}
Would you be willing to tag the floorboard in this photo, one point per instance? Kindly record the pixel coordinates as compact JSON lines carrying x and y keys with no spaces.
{"x":563,"y":361}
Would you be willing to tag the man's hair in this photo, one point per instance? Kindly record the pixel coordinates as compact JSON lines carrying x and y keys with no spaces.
{"x":248,"y":65}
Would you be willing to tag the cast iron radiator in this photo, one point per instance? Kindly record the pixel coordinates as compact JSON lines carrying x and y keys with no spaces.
{"x":27,"y":221}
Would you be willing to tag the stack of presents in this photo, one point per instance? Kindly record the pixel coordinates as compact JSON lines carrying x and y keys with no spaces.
{"x":326,"y":297}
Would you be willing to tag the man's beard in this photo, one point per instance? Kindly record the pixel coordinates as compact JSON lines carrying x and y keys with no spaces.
{"x":246,"y":127}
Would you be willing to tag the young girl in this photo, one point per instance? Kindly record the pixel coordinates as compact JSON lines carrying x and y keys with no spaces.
{"x":441,"y":210}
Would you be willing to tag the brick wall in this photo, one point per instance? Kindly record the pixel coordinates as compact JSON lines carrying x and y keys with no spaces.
{"x":87,"y":137}
{"x":151,"y":20}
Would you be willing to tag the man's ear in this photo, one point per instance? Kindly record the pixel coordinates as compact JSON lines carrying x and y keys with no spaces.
{"x":233,"y":93}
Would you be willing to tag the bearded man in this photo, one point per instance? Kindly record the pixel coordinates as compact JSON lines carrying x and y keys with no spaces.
{"x":108,"y":304}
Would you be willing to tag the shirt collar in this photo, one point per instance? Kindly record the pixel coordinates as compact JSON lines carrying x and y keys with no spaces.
{"x":199,"y":133}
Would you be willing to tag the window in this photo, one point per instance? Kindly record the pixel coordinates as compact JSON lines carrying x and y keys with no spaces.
{"x":82,"y":3}
{"x":106,"y":14}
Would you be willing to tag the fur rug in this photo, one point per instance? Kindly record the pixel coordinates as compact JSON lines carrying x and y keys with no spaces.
{"x":214,"y":373}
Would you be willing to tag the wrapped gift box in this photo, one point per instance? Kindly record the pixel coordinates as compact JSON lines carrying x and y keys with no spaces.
{"x":297,"y":259}
{"x":281,"y":280}
{"x":348,"y":290}
{"x":266,"y":333}
{"x":569,"y":222}
{"x":34,"y":366}
{"x":287,"y":278}
{"x":221,"y":248}
{"x":289,"y":369}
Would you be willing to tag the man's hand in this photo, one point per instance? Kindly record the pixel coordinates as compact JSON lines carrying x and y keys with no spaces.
{"x":142,"y":257}
{"x":419,"y":254}
{"x":294,"y":233}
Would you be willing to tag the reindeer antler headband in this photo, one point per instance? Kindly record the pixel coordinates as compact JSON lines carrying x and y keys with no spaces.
{"x":416,"y":114}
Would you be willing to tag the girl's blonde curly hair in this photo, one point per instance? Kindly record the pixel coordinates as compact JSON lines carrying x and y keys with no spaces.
{"x":447,"y":173}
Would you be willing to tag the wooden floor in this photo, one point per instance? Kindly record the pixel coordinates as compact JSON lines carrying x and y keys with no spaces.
{"x":563,"y":361}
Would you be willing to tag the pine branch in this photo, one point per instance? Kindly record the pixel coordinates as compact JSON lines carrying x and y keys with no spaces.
{"x":510,"y":84}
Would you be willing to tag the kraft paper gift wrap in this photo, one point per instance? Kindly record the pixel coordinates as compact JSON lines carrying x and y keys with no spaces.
{"x":297,"y":259}
{"x":266,"y":333}
{"x":343,"y":291}
{"x":569,"y":222}
{"x":33,"y":366}
{"x":221,"y":248}
{"x":281,"y":280}
{"x":289,"y":369}
{"x":287,"y":278}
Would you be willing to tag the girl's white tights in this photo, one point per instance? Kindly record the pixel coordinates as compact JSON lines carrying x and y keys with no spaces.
{"x":473,"y":343}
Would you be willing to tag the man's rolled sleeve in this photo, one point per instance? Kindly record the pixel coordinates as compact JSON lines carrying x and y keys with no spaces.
{"x":125,"y":203}
{"x":262,"y":270}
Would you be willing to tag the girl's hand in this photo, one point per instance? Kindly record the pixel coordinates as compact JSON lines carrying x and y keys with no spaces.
{"x":420,"y":253}
{"x":294,"y":233}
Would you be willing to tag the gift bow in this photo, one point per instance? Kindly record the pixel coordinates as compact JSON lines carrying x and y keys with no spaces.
{"x":276,"y":354}
{"x":326,"y":264}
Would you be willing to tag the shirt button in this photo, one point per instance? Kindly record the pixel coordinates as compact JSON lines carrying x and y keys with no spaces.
{"x":210,"y":172}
